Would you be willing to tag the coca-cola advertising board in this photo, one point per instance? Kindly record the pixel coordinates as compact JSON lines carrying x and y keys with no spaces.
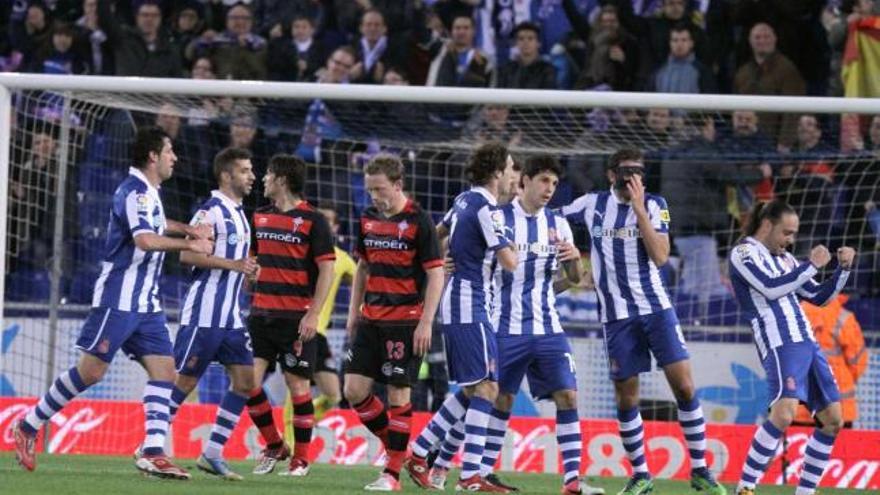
{"x":116,"y":428}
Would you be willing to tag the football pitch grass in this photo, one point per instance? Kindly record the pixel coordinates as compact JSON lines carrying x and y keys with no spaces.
{"x":99,"y":475}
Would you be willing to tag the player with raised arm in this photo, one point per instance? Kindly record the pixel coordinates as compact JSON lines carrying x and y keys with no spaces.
{"x":125,"y":310}
{"x":295,"y":253}
{"x":394,"y":297}
{"x":476,"y":240}
{"x":629,"y":239}
{"x":211,"y":324}
{"x":768,"y":282}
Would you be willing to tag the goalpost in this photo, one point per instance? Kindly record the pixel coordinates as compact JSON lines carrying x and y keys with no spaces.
{"x":63,"y":148}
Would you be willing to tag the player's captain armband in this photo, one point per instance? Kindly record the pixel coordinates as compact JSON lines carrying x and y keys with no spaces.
{"x":664,"y":216}
{"x":143,"y":203}
{"x":744,"y":253}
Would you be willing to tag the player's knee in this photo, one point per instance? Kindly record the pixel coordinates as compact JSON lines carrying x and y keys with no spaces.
{"x":487,"y":390}
{"x":92,"y":373}
{"x":565,"y":399}
{"x":244,"y":385}
{"x":354,"y":393}
{"x":782,"y":413}
{"x":832,"y":426}
{"x":504,"y":402}
{"x":685,"y":391}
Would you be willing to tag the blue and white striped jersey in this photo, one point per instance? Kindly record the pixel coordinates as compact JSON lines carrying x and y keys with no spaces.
{"x":129,"y":279}
{"x":212,"y":300}
{"x":476,"y":232}
{"x":523,"y":301}
{"x":628,"y":282}
{"x":767,"y":288}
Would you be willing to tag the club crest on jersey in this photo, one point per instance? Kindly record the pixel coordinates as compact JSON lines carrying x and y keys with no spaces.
{"x":552,"y":236}
{"x":232,"y":239}
{"x":401,"y":229}
{"x":297,"y":223}
{"x":790,"y":384}
{"x":158,"y":221}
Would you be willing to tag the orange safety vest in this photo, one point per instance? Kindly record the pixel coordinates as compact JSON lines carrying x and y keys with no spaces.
{"x":840,"y":338}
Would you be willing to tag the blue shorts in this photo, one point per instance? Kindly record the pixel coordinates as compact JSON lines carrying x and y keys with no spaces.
{"x":800,"y":371}
{"x":106,"y":330}
{"x":197,"y":347}
{"x":546,"y":361}
{"x":471,"y":352}
{"x":630,"y":342}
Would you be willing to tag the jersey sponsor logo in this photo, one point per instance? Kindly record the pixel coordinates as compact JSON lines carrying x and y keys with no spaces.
{"x":275,"y":236}
{"x":536,"y":248}
{"x":621,"y":233}
{"x":143,"y":203}
{"x":395,"y":245}
{"x":200,"y":217}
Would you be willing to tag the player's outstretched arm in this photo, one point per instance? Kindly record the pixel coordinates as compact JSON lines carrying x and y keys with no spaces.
{"x":199,"y":231}
{"x":247,"y":266}
{"x":822,"y":294}
{"x":149,"y":241}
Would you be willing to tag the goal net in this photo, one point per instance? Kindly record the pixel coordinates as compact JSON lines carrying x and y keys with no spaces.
{"x":69,"y":149}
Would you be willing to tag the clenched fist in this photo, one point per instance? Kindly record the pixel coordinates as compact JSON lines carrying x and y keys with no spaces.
{"x":845,"y":257}
{"x":820,"y":256}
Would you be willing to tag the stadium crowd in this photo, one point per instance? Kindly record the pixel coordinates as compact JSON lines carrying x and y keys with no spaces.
{"x":817,"y":163}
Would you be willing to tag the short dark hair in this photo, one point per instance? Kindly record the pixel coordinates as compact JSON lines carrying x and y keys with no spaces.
{"x":226,"y":158}
{"x":302,"y":17}
{"x":331,"y":206}
{"x":526,"y":26}
{"x":679,"y":27}
{"x":385,"y":163}
{"x":543,"y":162}
{"x":486,"y":161}
{"x":149,"y":139}
{"x":624,"y":155}
{"x":292,"y":168}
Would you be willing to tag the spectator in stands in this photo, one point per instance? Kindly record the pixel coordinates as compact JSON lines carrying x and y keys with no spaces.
{"x":237,"y":52}
{"x":376,"y":50}
{"x":320,"y":121}
{"x":142,"y":50}
{"x":273,"y":17}
{"x":747,"y":147}
{"x":612,"y":53}
{"x":31,"y":193}
{"x":493,"y":123}
{"x":296,"y":56}
{"x":399,"y":15}
{"x":187,"y":24}
{"x":528,"y":71}
{"x":769,"y":72}
{"x":29,"y":31}
{"x":799,"y":35}
{"x":850,"y":11}
{"x":695,"y":179}
{"x":682,"y":72}
{"x":401,"y":119}
{"x":458,"y":62}
{"x":91,"y":40}
{"x":839,"y":335}
{"x":59,"y":56}
{"x":654,"y":36}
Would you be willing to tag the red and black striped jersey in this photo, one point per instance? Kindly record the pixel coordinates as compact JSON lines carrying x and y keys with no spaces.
{"x":289,"y":246}
{"x":398,"y":250}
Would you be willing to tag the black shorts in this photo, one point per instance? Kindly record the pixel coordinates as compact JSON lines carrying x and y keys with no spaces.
{"x":277,"y":339}
{"x":324,"y":361}
{"x":384,"y":353}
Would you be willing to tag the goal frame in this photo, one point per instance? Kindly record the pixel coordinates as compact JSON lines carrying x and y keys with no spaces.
{"x":11,"y":82}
